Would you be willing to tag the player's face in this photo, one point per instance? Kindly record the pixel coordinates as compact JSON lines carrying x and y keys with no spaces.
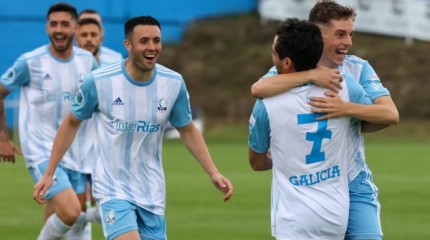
{"x":144,"y":47}
{"x":61,"y":29}
{"x":89,"y":37}
{"x":337,"y":36}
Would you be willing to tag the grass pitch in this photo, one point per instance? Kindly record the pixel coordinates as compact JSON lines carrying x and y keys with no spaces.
{"x":399,"y":158}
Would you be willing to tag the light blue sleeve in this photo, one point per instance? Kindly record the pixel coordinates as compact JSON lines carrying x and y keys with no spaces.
{"x":356,"y":91}
{"x":371,"y":83}
{"x":272,"y":72}
{"x":259,"y":128}
{"x":181,"y":112}
{"x":16,"y":76}
{"x":86,"y":100}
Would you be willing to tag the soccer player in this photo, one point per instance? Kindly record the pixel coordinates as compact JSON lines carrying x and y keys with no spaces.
{"x":337,"y":25}
{"x":310,"y":197}
{"x":49,"y":78}
{"x":131,"y":102}
{"x":103,"y":54}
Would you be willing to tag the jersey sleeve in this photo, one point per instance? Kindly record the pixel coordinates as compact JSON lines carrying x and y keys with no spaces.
{"x":86,"y":100}
{"x":356,"y":92}
{"x":181,"y":111}
{"x":16,"y":76}
{"x":371,"y":83}
{"x":272,"y":72}
{"x":259,"y":128}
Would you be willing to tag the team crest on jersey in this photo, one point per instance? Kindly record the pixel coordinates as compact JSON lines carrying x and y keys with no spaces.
{"x":162,"y":105}
{"x":9,"y":74}
{"x":79,"y":99}
{"x":110,"y":217}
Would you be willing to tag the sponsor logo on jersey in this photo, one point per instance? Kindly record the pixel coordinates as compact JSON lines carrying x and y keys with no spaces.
{"x":315,"y":178}
{"x":47,"y":77}
{"x":58,"y":97}
{"x":162,"y":105}
{"x":117,"y":101}
{"x":136,"y":126}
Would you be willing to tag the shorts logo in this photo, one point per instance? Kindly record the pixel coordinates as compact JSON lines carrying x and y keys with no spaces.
{"x":117,"y":101}
{"x":110,"y":217}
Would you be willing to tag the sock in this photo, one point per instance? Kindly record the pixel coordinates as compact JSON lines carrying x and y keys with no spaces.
{"x":77,"y":230}
{"x":53,"y":229}
{"x":93,"y":215}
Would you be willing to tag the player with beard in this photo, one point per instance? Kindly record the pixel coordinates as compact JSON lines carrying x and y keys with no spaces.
{"x":49,"y":78}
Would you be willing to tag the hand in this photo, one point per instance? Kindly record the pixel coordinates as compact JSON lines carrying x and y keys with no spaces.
{"x":224,"y":185}
{"x":41,"y":188}
{"x":332,"y":105}
{"x":8,"y":151}
{"x":327,"y":78}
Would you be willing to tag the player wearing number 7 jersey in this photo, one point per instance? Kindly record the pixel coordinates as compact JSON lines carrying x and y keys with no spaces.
{"x":310,"y":197}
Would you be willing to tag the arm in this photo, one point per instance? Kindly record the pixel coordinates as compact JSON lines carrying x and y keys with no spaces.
{"x":277,"y":84}
{"x":64,"y":138}
{"x":195,"y":143}
{"x":260,"y":161}
{"x":383,"y":112}
{"x":7,"y":147}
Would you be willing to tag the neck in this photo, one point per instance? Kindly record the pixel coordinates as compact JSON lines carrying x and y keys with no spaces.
{"x":62,"y":55}
{"x":136,"y":73}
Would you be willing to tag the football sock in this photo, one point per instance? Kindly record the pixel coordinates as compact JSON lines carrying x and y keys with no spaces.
{"x":53,"y":229}
{"x":77,"y":230}
{"x":93,"y":214}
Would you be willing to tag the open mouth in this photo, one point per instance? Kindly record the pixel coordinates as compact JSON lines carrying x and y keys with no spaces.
{"x":341,"y":52}
{"x":149,"y":57}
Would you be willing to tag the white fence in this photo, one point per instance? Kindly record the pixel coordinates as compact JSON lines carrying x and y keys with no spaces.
{"x":403,"y":18}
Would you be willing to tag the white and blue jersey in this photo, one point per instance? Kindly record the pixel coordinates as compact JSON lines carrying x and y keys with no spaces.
{"x":108,"y":56}
{"x":48,"y":85}
{"x":310,"y":197}
{"x":130,"y":118}
{"x":365,"y":75}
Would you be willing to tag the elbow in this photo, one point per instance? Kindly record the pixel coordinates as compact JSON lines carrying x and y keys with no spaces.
{"x":395,"y":118}
{"x":255,"y":90}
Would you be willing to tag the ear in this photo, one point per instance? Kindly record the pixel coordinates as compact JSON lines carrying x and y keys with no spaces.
{"x":289,"y":64}
{"x":127,"y":45}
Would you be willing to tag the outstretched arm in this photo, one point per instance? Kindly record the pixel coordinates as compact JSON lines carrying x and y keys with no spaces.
{"x":195,"y":143}
{"x":277,"y":84}
{"x":7,"y":147}
{"x":64,"y":138}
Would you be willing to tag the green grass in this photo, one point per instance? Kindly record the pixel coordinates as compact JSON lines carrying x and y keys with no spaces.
{"x":399,"y":161}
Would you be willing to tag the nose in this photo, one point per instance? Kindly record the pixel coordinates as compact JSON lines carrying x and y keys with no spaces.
{"x":348,"y":40}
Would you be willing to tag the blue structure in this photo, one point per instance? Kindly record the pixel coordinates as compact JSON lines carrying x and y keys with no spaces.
{"x":22,"y":24}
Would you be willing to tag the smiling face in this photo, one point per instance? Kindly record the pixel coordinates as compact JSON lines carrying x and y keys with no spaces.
{"x":337,"y":37}
{"x":61,"y":30}
{"x":144,"y":47}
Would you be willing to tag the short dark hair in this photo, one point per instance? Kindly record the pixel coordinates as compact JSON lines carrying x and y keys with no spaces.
{"x":301,"y":41}
{"x":88,"y":10}
{"x":326,"y":10}
{"x":141,"y":20}
{"x":85,"y":21}
{"x":63,"y":7}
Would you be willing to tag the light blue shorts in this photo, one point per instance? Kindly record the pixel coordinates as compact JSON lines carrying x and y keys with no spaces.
{"x":121,"y":216}
{"x":63,"y":179}
{"x":364,"y":213}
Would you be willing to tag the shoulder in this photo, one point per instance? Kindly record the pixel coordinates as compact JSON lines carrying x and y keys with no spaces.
{"x":111,"y":52}
{"x":108,"y":71}
{"x":82,"y":52}
{"x":351,"y":60}
{"x":167,"y":72}
{"x":36,"y":53}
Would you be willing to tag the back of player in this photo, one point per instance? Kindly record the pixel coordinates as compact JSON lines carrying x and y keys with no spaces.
{"x":313,"y":174}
